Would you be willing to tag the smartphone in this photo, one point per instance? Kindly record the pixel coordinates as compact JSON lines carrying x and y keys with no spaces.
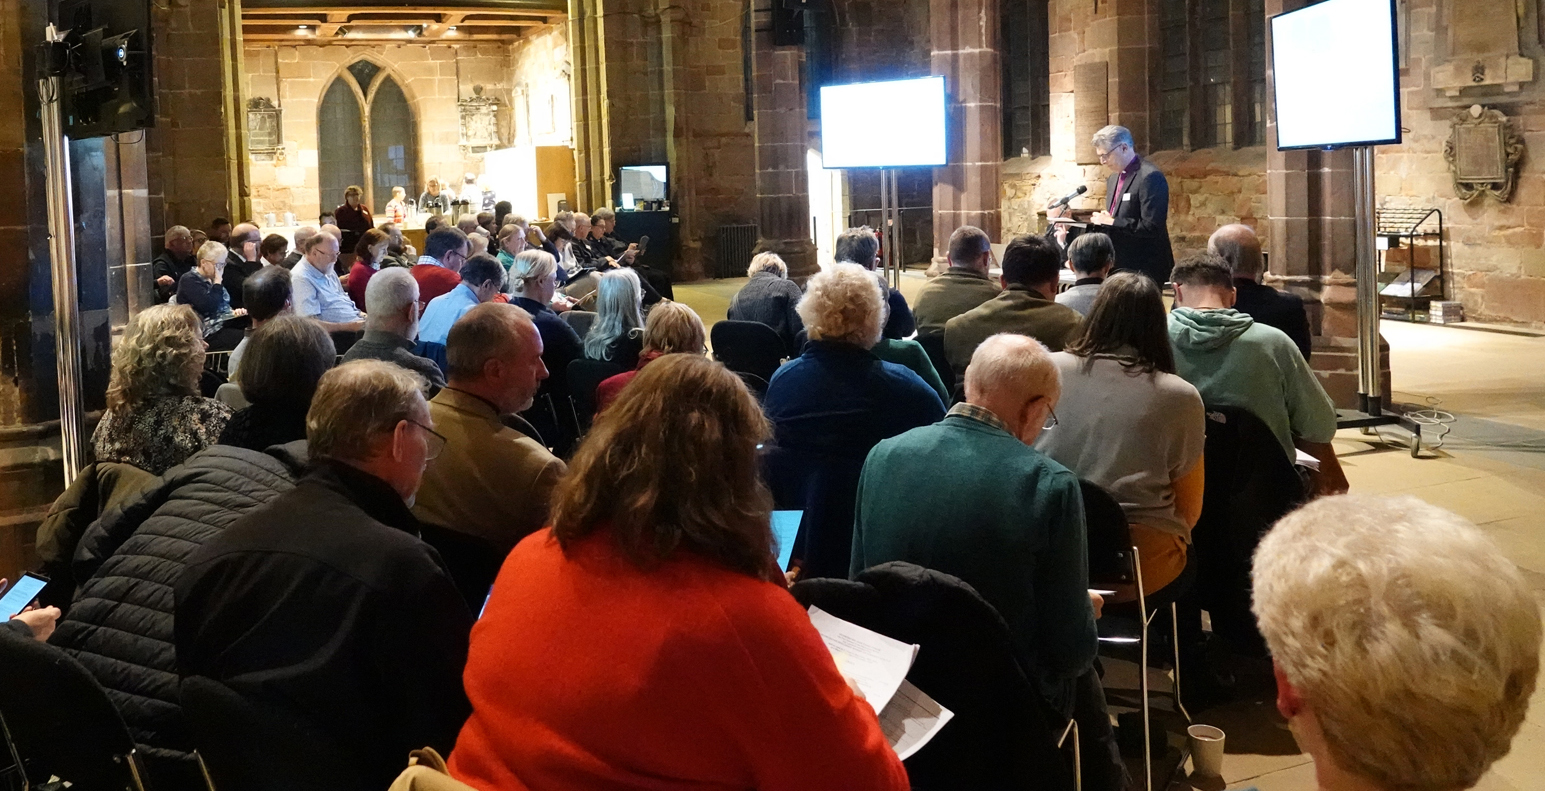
{"x":21,"y":594}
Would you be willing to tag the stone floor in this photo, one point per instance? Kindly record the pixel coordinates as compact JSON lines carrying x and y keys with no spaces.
{"x":1484,"y":458}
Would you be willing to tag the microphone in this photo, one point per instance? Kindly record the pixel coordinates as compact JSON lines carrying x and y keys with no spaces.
{"x":1063,"y":201}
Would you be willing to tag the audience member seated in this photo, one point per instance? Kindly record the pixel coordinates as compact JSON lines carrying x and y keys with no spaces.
{"x":301,"y":235}
{"x":267,"y":295}
{"x":834,"y":403}
{"x":970,"y":497}
{"x":1026,"y":306}
{"x":512,"y":240}
{"x":583,"y":254}
{"x":1406,"y":645}
{"x":911,"y":354}
{"x":477,"y":244}
{"x":491,"y":482}
{"x":860,"y":246}
{"x":532,"y":286}
{"x":438,"y":269}
{"x":434,"y":223}
{"x":1130,"y":425}
{"x":219,"y":231}
{"x":242,"y":260}
{"x":672,"y":328}
{"x":391,"y":303}
{"x":1091,"y":256}
{"x":274,"y":251}
{"x":398,"y":252}
{"x":485,"y":220}
{"x":616,"y":334}
{"x":155,"y":417}
{"x":502,"y":210}
{"x":37,"y":623}
{"x":120,"y":625}
{"x":353,"y":217}
{"x":325,"y":604}
{"x":203,"y":290}
{"x":369,"y":256}
{"x":1239,"y":246}
{"x":286,"y":359}
{"x":175,"y":260}
{"x":560,"y":245}
{"x":646,"y":639}
{"x":318,"y":294}
{"x":482,"y":278}
{"x":770,"y":298}
{"x":962,"y":287}
{"x":467,"y":224}
{"x":1235,"y":361}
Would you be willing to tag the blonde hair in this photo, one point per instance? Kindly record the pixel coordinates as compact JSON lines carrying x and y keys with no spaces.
{"x":529,"y":266}
{"x":767,"y":262}
{"x":674,"y":328}
{"x":844,"y":304}
{"x":161,"y":354}
{"x":213,"y":251}
{"x":1412,"y":638}
{"x":356,"y":404}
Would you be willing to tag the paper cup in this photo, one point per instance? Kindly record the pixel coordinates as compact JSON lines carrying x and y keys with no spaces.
{"x":1206,"y":744}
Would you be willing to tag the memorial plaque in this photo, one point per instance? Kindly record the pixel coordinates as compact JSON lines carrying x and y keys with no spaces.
{"x":1483,"y":151}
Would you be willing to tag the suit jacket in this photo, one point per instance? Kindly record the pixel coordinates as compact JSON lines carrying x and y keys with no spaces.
{"x":491,"y":481}
{"x":1140,"y":232}
{"x":1274,"y":308}
{"x":1017,"y":309}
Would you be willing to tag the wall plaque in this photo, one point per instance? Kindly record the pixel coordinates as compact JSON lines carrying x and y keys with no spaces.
{"x":1483,"y":47}
{"x":264,"y":127}
{"x":479,"y":122}
{"x":1483,"y":151}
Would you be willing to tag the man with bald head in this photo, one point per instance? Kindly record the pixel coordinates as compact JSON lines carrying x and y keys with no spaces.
{"x":175,"y":260}
{"x":492,"y":482}
{"x":1239,"y":246}
{"x":301,"y":235}
{"x":241,"y":260}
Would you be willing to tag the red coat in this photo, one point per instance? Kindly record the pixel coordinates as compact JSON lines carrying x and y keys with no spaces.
{"x":586,"y":672}
{"x":359,"y":277}
{"x":432,"y":282}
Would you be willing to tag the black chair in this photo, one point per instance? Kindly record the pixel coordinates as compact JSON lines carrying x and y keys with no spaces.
{"x":246,"y":745}
{"x":580,"y":320}
{"x":584,"y":377}
{"x":58,"y":721}
{"x":748,"y":347}
{"x":1004,"y":735}
{"x":934,"y":346}
{"x":1250,"y":484}
{"x":825,"y":487}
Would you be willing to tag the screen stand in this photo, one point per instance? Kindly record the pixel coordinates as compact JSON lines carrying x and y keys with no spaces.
{"x":1370,"y":386}
{"x":890,"y":228}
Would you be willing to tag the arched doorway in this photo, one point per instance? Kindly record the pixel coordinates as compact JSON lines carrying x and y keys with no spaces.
{"x":376,"y":150}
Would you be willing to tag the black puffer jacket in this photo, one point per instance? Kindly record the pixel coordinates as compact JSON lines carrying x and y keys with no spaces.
{"x":120,"y":626}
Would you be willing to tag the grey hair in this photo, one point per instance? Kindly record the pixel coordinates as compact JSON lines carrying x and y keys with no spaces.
{"x":358,"y":403}
{"x":1091,"y":252}
{"x":768,"y":262}
{"x":1411,"y":637}
{"x":303,"y":233}
{"x":1240,"y":247}
{"x":467,"y":223}
{"x":1009,"y":362}
{"x":844,"y":304}
{"x":177,"y":232}
{"x":388,"y":292}
{"x":1111,"y":136}
{"x":212,"y":251}
{"x":530,"y":266}
{"x":619,"y":312}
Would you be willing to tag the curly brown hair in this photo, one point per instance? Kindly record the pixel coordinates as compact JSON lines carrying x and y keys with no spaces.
{"x":161,"y":354}
{"x":672,"y":465}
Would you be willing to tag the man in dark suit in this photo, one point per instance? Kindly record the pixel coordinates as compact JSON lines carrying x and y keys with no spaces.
{"x":1136,"y":212}
{"x":241,"y":259}
{"x":1239,"y":246}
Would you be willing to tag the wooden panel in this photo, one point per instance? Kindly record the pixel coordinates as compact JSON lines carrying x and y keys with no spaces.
{"x":1091,"y":107}
{"x":554,"y":173}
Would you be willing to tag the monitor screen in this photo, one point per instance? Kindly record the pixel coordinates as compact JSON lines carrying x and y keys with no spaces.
{"x":1336,"y":74}
{"x":894,"y":124}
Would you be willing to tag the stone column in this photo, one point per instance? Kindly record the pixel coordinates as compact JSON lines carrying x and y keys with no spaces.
{"x":1311,"y":232}
{"x":965,"y":50}
{"x":781,"y":123}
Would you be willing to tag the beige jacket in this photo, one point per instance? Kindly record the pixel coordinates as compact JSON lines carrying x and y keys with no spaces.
{"x":491,"y":481}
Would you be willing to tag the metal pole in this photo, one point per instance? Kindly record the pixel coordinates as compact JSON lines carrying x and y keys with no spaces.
{"x":61,"y":248}
{"x":898,"y":260}
{"x":1370,"y":387}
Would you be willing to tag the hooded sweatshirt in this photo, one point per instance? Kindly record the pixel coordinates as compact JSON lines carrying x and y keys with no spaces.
{"x":1233,"y":361}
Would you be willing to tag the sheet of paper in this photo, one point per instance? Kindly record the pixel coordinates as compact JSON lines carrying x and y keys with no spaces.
{"x":877,"y":663}
{"x":911,"y":719}
{"x":1305,"y":460}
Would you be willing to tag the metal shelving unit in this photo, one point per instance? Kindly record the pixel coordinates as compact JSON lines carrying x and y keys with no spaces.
{"x":1416,"y":231}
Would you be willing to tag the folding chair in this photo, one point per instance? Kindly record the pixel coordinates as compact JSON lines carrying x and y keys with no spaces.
{"x":584,"y":377}
{"x":748,"y":347}
{"x":580,"y":320}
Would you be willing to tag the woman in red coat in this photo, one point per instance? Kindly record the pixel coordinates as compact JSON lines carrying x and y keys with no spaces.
{"x":646,"y":640}
{"x":368,"y":255}
{"x":353,"y":217}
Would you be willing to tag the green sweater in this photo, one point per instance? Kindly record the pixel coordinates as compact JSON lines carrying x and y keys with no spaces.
{"x":910,"y":354}
{"x":1234,"y":361}
{"x":968,"y":499}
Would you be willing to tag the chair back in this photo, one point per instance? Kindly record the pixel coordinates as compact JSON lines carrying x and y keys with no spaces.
{"x":1003,"y":734}
{"x":584,"y":377}
{"x":59,"y":721}
{"x":1109,"y":537}
{"x":934,"y":346}
{"x":251,"y":746}
{"x":1251,"y":483}
{"x":826,"y":489}
{"x":580,"y":320}
{"x":748,"y":347}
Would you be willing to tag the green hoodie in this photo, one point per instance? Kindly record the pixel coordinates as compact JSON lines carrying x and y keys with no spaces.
{"x":1236,"y":362}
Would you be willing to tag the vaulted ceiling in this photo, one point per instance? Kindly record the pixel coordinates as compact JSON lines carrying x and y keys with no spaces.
{"x":445,"y":21}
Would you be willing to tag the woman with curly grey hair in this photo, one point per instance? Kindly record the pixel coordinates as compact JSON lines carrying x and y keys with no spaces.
{"x":155,"y":416}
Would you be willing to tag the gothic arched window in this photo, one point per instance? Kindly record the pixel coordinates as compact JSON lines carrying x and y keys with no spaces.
{"x":376,"y":150}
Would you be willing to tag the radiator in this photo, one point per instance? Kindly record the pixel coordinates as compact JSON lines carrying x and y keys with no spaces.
{"x":737,"y":243}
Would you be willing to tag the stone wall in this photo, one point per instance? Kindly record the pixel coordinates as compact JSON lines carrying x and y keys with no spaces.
{"x":528,"y":79}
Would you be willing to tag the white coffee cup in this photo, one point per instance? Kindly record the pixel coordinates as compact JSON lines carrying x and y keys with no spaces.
{"x":1206,"y":744}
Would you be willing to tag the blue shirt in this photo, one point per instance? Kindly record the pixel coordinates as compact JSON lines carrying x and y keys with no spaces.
{"x":443,"y":312}
{"x":320,"y":295}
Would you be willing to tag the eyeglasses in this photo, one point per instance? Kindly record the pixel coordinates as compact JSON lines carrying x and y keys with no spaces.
{"x":1104,"y":155}
{"x":434,"y":444}
{"x":1051,"y":419}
